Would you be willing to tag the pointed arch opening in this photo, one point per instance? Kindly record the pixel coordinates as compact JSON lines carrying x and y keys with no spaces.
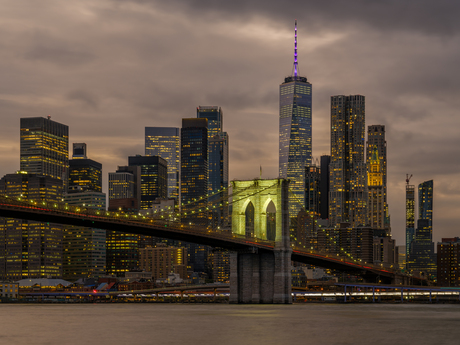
{"x":271,"y":221}
{"x":249,"y":220}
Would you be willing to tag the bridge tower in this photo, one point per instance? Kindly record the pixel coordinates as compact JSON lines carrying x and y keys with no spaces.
{"x":261,"y":212}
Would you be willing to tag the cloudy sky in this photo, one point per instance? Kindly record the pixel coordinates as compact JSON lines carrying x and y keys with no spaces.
{"x":109,"y":68}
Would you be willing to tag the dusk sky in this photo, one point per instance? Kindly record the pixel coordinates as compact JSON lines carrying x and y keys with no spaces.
{"x":109,"y":68}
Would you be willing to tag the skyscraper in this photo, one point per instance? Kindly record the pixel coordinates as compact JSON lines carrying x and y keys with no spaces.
{"x":165,"y":143}
{"x":295,"y":136}
{"x":194,"y":183}
{"x":45,"y":147}
{"x":218,"y":142}
{"x":83,"y":172}
{"x":376,"y":191}
{"x":154,"y":175}
{"x":194,"y":166}
{"x":324,"y":186}
{"x":410,"y":216}
{"x":84,"y":252}
{"x":348,"y":192}
{"x":30,"y":249}
{"x":376,"y":137}
{"x":422,"y":257}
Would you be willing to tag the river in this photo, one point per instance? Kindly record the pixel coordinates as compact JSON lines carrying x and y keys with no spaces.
{"x":192,"y":324}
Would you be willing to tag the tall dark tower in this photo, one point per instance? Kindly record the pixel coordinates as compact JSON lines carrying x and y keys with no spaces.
{"x":295,"y":133}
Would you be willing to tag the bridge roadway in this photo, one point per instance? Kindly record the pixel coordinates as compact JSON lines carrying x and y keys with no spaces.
{"x":141,"y":225}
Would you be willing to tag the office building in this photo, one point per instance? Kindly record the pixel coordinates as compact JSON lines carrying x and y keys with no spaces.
{"x":84,"y":248}
{"x":44,"y":148}
{"x":30,"y":249}
{"x":422,"y":258}
{"x":295,"y":133}
{"x":376,"y":200}
{"x":84,"y":172}
{"x":218,"y":143}
{"x":154,"y":178}
{"x":165,"y":143}
{"x":163,"y":260}
{"x":410,"y":216}
{"x":324,"y":186}
{"x":448,"y":256}
{"x":194,"y":168}
{"x":220,"y":265}
{"x":348,"y":190}
{"x":313,"y":189}
{"x":376,"y":138}
{"x":194,"y":185}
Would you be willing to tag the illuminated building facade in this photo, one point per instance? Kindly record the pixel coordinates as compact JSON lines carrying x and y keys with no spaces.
{"x":163,"y":260}
{"x":448,"y":255}
{"x":194,"y":167}
{"x":84,"y":248}
{"x":376,"y":137}
{"x":194,"y":184}
{"x":348,"y":190}
{"x":324,"y":186}
{"x":218,"y":142}
{"x":313,"y":189}
{"x":30,"y":249}
{"x":44,"y":148}
{"x":122,"y":249}
{"x":165,"y":143}
{"x":410,"y":217}
{"x":422,"y":257}
{"x":84,"y":172}
{"x":295,"y":133}
{"x":154,"y":178}
{"x":376,"y":191}
{"x":220,"y":265}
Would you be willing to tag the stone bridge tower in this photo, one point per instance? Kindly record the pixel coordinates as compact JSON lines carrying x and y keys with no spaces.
{"x":261,"y":212}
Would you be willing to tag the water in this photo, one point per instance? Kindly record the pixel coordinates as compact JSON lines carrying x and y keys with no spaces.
{"x":224,"y":324}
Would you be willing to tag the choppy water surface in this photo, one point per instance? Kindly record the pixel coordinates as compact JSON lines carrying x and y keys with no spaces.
{"x":229,"y":324}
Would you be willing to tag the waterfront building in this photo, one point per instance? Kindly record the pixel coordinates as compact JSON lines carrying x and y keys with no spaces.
{"x":295,"y":133}
{"x":84,"y":248}
{"x":348,"y":189}
{"x":44,"y":148}
{"x":410,"y":217}
{"x":448,"y":256}
{"x":30,"y":249}
{"x":165,"y":143}
{"x":163,"y":260}
{"x":422,"y":258}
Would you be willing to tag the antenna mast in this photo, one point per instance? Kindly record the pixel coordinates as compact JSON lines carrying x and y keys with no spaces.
{"x":295,"y":50}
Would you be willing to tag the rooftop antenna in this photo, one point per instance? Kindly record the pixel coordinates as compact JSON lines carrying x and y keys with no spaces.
{"x":296,"y":68}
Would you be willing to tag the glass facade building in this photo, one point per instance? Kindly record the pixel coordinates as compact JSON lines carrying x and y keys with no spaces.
{"x":165,"y":143}
{"x":84,"y":248}
{"x":30,"y":249}
{"x":410,"y":217}
{"x":348,"y":190}
{"x":295,"y":137}
{"x":44,"y":148}
{"x":154,"y":175}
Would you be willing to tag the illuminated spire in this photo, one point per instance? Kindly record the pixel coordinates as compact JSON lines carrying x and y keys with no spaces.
{"x":295,"y":49}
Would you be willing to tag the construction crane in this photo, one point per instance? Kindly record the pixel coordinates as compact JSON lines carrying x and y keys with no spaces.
{"x":408,"y":178}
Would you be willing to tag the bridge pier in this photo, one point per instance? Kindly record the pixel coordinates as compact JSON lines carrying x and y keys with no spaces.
{"x":261,"y":277}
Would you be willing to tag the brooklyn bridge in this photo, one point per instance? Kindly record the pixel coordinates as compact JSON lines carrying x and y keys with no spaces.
{"x":260,"y":260}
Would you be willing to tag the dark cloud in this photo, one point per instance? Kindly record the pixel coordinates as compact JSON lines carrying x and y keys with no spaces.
{"x":109,"y":68}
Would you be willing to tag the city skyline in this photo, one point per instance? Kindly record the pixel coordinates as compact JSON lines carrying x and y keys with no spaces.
{"x":109,"y":70}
